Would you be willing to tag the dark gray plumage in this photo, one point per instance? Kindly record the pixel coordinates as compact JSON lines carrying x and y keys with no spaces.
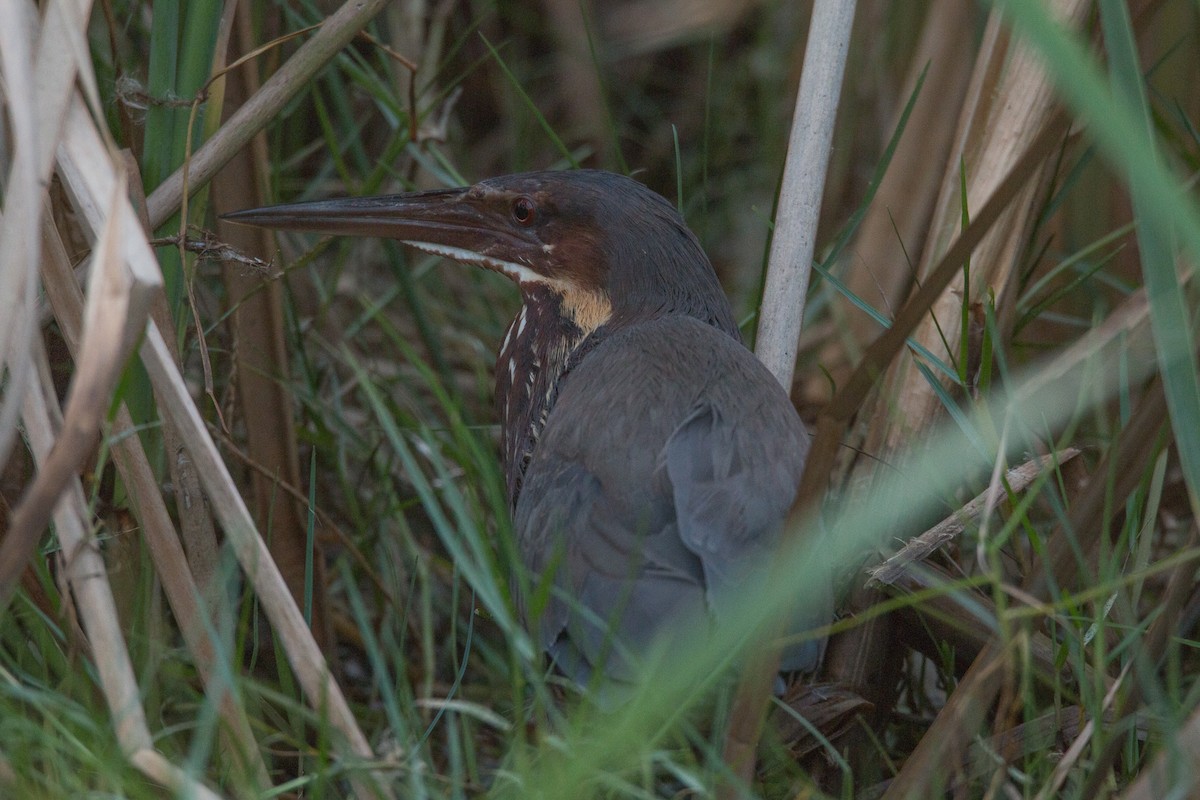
{"x":655,"y":491}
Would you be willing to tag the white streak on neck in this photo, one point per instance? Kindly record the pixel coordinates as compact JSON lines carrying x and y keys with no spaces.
{"x":521,"y":318}
{"x":518,"y":272}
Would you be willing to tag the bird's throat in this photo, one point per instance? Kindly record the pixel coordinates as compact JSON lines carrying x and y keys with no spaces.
{"x":541,"y":345}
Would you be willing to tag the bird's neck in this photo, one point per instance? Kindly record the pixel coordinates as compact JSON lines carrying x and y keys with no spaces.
{"x":541,"y":344}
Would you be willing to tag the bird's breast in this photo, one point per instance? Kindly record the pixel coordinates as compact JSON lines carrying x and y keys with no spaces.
{"x":534,"y":356}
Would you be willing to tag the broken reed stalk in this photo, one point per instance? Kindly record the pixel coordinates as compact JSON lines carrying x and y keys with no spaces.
{"x":90,"y":173}
{"x":920,"y":547}
{"x":146,"y":502}
{"x":117,"y":308}
{"x":88,"y":577}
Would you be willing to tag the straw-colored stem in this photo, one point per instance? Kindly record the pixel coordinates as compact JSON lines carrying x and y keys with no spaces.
{"x":93,"y":597}
{"x":146,"y":501}
{"x":89,"y":174}
{"x":782,"y":312}
{"x":793,"y":241}
{"x":306,"y":658}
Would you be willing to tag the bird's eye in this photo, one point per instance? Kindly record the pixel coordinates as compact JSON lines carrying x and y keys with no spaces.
{"x":523,"y":211}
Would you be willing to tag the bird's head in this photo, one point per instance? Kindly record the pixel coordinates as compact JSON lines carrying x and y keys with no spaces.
{"x":607,"y":245}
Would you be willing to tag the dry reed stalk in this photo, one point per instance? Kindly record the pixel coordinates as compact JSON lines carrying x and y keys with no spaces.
{"x":858,"y":663}
{"x":1127,"y":329}
{"x":1009,"y":101}
{"x":117,"y":310}
{"x":1008,"y":106}
{"x":64,"y":30}
{"x":32,"y":126}
{"x":837,"y":414}
{"x":877,"y":269}
{"x":146,"y":501}
{"x":940,"y":749}
{"x":794,"y":237}
{"x":312,"y":672}
{"x":782,"y":311}
{"x":85,"y":565}
{"x":89,"y":177}
{"x":921,"y":547}
{"x":113,"y":327}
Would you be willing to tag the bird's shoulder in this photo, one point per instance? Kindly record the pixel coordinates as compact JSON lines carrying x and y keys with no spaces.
{"x":638,"y":384}
{"x":672,"y":348}
{"x":672,"y":417}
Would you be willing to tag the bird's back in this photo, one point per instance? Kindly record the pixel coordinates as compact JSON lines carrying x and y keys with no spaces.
{"x":664,"y":472}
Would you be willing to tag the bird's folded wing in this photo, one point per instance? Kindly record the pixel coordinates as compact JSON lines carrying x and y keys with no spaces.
{"x":613,"y":585}
{"x":732,"y":493}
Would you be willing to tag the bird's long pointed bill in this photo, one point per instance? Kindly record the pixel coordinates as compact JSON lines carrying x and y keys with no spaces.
{"x":441,"y":216}
{"x":446,"y":222}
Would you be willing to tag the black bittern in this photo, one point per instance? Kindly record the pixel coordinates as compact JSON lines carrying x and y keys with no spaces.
{"x":650,"y":457}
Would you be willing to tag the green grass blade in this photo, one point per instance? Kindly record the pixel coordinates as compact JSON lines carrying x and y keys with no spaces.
{"x":531,"y":105}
